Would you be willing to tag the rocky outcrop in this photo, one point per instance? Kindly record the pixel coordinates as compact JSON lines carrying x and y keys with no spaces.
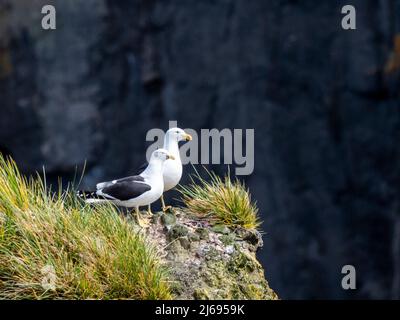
{"x":209,"y":262}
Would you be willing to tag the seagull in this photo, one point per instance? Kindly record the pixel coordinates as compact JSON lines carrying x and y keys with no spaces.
{"x":133,"y":191}
{"x":172,"y":170}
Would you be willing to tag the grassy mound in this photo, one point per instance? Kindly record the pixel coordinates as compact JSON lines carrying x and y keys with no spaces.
{"x":222,"y":201}
{"x":54,"y":247}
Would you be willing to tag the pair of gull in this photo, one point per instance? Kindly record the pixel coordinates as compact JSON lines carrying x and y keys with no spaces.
{"x":162,"y":173}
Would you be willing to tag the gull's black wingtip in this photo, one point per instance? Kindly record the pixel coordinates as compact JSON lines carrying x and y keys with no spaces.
{"x":86,"y":194}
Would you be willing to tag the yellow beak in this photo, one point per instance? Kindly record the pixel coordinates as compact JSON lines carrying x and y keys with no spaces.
{"x":170,"y":156}
{"x":188,"y":137}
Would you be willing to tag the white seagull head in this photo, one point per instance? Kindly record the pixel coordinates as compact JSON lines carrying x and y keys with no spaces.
{"x":177,"y":134}
{"x":161,"y":155}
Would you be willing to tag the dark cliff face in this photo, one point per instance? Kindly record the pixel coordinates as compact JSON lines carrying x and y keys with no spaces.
{"x":324,"y":103}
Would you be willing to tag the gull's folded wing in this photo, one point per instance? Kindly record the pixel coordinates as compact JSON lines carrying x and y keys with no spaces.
{"x":125,"y":189}
{"x":103,"y":185}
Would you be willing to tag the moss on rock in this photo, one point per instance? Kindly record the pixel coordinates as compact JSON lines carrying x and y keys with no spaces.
{"x":228,"y":239}
{"x":201,"y":294}
{"x":203,"y":233}
{"x":168,"y":219}
{"x":177,"y":231}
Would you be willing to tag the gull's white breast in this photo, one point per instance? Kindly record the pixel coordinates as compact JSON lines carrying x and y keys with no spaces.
{"x":172,"y":173}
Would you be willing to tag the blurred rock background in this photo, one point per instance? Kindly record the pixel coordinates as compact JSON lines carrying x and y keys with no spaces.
{"x":324,"y":103}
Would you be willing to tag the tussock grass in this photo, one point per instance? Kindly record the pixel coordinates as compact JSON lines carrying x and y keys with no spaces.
{"x":222,"y":201}
{"x":52,"y":246}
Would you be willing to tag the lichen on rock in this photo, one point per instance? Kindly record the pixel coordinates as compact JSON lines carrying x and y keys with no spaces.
{"x":206,"y":262}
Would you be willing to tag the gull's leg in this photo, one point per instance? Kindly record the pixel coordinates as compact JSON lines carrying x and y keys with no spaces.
{"x":149,"y":210}
{"x":162,"y":202}
{"x":164,"y":207}
{"x":141,"y":223}
{"x":137,"y":215}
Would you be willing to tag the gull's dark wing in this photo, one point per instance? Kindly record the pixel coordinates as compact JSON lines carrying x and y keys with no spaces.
{"x":105,"y":184}
{"x":125,"y":189}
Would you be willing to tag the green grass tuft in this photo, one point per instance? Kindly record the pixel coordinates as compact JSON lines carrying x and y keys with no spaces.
{"x":52,"y":246}
{"x":222,"y":201}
